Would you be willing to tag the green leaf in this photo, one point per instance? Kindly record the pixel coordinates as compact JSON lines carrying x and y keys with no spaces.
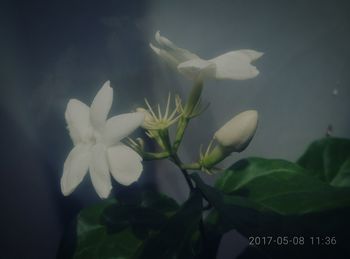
{"x":342,"y":179}
{"x":141,"y":220}
{"x":95,"y":242}
{"x":175,"y":235}
{"x":230,"y":212}
{"x":88,"y":223}
{"x":281,"y":186}
{"x":113,"y":230}
{"x":233,"y":212}
{"x":326,"y":159}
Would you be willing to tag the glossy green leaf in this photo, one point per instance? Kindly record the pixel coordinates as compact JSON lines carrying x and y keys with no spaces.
{"x":281,"y":186}
{"x":95,"y":242}
{"x":233,"y":212}
{"x":342,"y":179}
{"x":114,"y":230}
{"x":328,"y":159}
{"x":173,"y":238}
{"x":142,"y":220}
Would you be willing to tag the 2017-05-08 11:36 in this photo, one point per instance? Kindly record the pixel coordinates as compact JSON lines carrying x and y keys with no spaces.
{"x":291,"y":240}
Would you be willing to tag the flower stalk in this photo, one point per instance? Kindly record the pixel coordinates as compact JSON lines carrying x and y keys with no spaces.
{"x":194,"y":98}
{"x":148,"y":156}
{"x":188,"y":112}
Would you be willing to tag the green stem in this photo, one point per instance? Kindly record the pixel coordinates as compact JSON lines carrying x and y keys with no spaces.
{"x":176,"y":160}
{"x":182,"y":125}
{"x":191,"y":103}
{"x":147,"y":156}
{"x":164,"y":135}
{"x":193,"y":166}
{"x":194,"y":97}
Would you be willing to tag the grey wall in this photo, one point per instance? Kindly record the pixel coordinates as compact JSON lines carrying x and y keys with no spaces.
{"x":53,"y":51}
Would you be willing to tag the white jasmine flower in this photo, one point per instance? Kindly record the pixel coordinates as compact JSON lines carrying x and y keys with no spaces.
{"x":237,"y":133}
{"x":97,"y":146}
{"x":234,"y":65}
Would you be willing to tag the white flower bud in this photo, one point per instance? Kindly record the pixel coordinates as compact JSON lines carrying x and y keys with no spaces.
{"x":237,"y":133}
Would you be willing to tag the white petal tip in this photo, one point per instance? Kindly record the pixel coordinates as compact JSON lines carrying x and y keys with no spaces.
{"x":64,"y":186}
{"x":65,"y":190}
{"x":65,"y":194}
{"x":73,"y":102}
{"x":155,"y":49}
{"x":105,"y":194}
{"x":157,"y":36}
{"x":252,"y":113}
{"x":255,"y":72}
{"x":106,"y":88}
{"x":253,"y":54}
{"x":107,"y":84}
{"x":259,"y":55}
{"x":128,"y":183}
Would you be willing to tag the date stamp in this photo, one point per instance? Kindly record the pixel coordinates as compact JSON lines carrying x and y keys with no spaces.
{"x":292,"y":240}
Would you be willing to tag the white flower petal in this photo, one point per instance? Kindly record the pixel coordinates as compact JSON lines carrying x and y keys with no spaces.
{"x":125,"y":164}
{"x":197,"y":68}
{"x":155,"y":49}
{"x":99,"y":171}
{"x":165,"y":55}
{"x":121,"y":126}
{"x":236,"y":65}
{"x":101,"y":105}
{"x":170,"y":52}
{"x":78,"y":121}
{"x":164,"y":42}
{"x":148,"y":118}
{"x":75,"y":168}
{"x":252,"y":54}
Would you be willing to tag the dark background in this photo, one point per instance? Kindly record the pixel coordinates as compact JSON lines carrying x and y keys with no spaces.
{"x":51,"y":51}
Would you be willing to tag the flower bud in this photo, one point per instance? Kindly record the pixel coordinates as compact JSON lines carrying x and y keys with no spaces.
{"x":237,"y":133}
{"x":234,"y":136}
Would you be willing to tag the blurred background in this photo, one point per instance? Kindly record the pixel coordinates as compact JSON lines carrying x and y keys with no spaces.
{"x":52,"y":51}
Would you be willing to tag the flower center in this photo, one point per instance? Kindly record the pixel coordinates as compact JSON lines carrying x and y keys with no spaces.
{"x":91,"y":137}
